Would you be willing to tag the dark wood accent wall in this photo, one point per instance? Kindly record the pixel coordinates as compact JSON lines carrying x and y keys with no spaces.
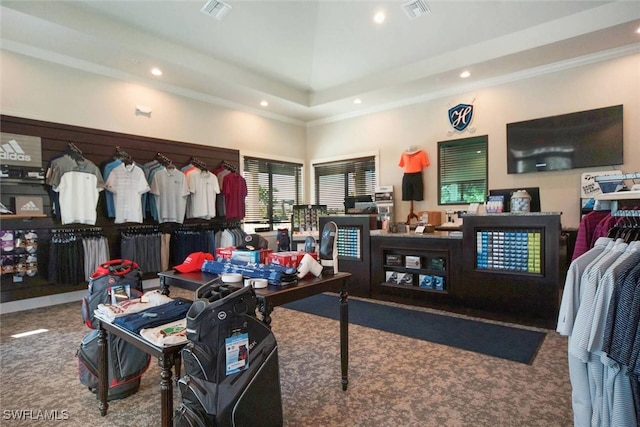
{"x":99,"y":146}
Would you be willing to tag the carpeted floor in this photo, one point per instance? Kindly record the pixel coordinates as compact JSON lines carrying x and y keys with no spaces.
{"x":516,"y":344}
{"x":393,"y":380}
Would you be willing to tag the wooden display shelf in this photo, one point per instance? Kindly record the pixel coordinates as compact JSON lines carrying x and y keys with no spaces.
{"x":17,"y":216}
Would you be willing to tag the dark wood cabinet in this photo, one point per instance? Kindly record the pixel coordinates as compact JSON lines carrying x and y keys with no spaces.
{"x":354,"y":249}
{"x":415,"y":269}
{"x":501,"y":267}
{"x":511,"y":264}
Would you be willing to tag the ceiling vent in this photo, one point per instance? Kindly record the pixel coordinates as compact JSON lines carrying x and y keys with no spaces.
{"x":216,"y":9}
{"x":416,"y":8}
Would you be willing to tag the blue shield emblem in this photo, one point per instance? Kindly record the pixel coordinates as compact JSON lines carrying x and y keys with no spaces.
{"x":460,"y":116}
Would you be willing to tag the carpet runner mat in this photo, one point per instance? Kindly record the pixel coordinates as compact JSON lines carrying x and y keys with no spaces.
{"x":505,"y":342}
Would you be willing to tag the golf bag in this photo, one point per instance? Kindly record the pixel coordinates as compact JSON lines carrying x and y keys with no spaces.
{"x":118,"y":276}
{"x":115,"y":279}
{"x":126,"y":365}
{"x":231,"y":371}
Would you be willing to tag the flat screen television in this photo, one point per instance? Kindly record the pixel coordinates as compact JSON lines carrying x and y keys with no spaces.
{"x":577,"y":140}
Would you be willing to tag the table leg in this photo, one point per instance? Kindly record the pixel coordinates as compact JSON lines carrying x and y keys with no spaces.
{"x":164,"y":288}
{"x":265,"y":309}
{"x":103,"y":370}
{"x":177,"y":365}
{"x":344,"y":334}
{"x":166,"y":389}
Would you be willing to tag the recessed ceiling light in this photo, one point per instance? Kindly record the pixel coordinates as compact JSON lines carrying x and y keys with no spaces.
{"x":357,"y":101}
{"x":379,"y":17}
{"x":638,"y":30}
{"x":465,"y":74}
{"x":156,"y":71}
{"x":264,"y":103}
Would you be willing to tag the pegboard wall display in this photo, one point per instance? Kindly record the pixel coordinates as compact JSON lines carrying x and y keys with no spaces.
{"x":26,"y":180}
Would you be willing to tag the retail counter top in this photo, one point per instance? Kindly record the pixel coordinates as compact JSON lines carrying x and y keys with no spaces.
{"x":413,"y":235}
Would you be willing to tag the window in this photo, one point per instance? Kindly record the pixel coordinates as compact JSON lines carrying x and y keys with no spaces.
{"x":273,"y":187}
{"x":462,"y":171}
{"x":346,"y":178}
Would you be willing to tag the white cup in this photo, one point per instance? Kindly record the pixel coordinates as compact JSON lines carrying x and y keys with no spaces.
{"x":256,"y":283}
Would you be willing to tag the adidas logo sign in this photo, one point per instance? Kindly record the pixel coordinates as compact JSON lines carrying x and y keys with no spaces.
{"x":29,"y":206}
{"x":12,"y":151}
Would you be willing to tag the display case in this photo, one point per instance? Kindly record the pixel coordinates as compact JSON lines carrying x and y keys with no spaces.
{"x":305,"y":222}
{"x":415,"y":269}
{"x":510,"y":263}
{"x":354,"y":249}
{"x":420,"y":270}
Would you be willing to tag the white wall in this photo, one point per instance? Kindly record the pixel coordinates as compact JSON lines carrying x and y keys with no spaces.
{"x":40,"y":90}
{"x":612,"y":82}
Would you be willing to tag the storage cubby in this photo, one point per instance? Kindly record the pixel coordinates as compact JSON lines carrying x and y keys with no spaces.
{"x":416,"y":269}
{"x":424,"y":271}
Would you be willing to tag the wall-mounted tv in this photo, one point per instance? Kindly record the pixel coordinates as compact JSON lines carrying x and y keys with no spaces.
{"x":577,"y":140}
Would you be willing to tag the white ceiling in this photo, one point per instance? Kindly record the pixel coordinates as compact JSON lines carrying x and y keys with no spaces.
{"x":311,"y":58}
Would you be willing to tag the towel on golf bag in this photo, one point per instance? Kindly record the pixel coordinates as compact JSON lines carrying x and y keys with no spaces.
{"x":230,"y":365}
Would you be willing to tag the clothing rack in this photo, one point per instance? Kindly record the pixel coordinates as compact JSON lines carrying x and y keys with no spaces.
{"x":208,"y":226}
{"x":143,"y":228}
{"x":198,"y":163}
{"x":225,"y":164}
{"x":123,"y":155}
{"x":74,"y":151}
{"x":621,"y":177}
{"x":164,"y":161}
{"x":75,"y":230}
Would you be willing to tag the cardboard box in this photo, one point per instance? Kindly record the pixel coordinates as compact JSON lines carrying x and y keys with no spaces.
{"x":426,"y":281}
{"x":412,"y":261}
{"x":405,"y":279}
{"x":251,"y":257}
{"x":225,"y":252}
{"x":289,"y":258}
{"x":430,"y":217}
{"x":28,"y":205}
{"x":391,"y":276}
{"x":394,"y":259}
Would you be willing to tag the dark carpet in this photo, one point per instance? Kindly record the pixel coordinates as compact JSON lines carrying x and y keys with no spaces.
{"x":515,"y":344}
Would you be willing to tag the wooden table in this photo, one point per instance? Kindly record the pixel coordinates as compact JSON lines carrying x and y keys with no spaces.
{"x":273,"y":296}
{"x":168,"y":357}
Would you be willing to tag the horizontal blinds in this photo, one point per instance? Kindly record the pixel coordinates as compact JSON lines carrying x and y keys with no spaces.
{"x":273,"y":187}
{"x":463,"y":161}
{"x":336,"y":180}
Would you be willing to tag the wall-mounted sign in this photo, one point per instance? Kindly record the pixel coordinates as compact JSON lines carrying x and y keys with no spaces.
{"x":460,"y":117}
{"x":20,"y":150}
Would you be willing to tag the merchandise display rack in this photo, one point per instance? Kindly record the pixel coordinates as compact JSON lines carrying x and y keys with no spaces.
{"x":424,"y":270}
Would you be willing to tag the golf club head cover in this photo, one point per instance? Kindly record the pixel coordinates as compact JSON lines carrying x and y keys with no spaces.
{"x":309,"y":265}
{"x":309,"y":244}
{"x":329,"y":247}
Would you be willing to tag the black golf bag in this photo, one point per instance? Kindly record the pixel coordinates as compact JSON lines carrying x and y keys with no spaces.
{"x":112,"y":281}
{"x":231,"y":371}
